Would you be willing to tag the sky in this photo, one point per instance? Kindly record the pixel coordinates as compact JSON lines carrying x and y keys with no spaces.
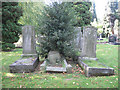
{"x":100,"y":8}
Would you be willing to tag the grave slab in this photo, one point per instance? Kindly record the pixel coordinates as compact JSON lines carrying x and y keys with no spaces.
{"x":95,"y":71}
{"x":66,"y":68}
{"x":29,"y":59}
{"x":24,"y":64}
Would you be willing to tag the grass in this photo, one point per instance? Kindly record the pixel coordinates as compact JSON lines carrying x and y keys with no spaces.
{"x":104,"y":40}
{"x":92,"y":63}
{"x":107,"y":54}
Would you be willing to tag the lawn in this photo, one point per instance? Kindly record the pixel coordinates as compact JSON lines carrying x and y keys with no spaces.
{"x":107,"y":54}
{"x":104,"y":40}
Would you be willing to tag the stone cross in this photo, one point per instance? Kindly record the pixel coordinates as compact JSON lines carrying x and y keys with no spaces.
{"x":29,"y":46}
{"x":89,"y":42}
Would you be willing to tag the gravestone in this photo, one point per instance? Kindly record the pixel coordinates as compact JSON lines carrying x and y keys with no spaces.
{"x":78,"y":39}
{"x":112,"y":39}
{"x":54,"y":57}
{"x":29,"y":45}
{"x":55,"y":63}
{"x":29,"y":60}
{"x":89,"y":42}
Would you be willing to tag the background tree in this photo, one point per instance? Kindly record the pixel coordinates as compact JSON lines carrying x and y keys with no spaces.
{"x":113,"y":15}
{"x":83,"y":13}
{"x":31,"y":12}
{"x":56,"y":26}
{"x":11,"y":13}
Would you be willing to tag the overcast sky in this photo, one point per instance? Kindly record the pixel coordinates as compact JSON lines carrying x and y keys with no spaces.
{"x":100,"y":8}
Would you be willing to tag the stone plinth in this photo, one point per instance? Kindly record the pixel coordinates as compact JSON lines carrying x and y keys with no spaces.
{"x":94,"y":71}
{"x":26,"y":64}
{"x":65,"y":68}
{"x":29,"y":59}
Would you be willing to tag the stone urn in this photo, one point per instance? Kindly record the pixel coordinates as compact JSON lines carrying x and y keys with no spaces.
{"x":54,"y":57}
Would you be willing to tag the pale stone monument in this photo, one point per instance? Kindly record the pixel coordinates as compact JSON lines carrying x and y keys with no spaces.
{"x":78,"y":39}
{"x":29,"y":60}
{"x":89,"y":42}
{"x":54,"y":57}
{"x":29,"y":46}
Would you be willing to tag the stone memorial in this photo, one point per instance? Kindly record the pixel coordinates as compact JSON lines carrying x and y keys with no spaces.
{"x":55,"y":63}
{"x":54,"y":58}
{"x":101,"y":70}
{"x":89,"y":42}
{"x":29,"y":43}
{"x":29,"y":59}
{"x":78,"y":40}
{"x":112,"y":38}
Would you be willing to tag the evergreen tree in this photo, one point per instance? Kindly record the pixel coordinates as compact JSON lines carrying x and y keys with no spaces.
{"x":57,"y":29}
{"x":83,"y":13}
{"x":11,"y":13}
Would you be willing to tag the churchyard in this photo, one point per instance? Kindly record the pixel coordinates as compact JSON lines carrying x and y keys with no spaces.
{"x":76,"y":79}
{"x":59,"y":50}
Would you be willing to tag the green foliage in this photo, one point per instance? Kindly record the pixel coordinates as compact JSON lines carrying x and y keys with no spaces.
{"x":56,"y":26}
{"x":84,"y":16}
{"x":7,"y":46}
{"x":11,"y":13}
{"x":31,"y":11}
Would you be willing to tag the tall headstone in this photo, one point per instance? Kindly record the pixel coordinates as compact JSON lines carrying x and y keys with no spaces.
{"x":89,"y":42}
{"x":77,"y":40}
{"x":29,"y":46}
{"x":29,"y":60}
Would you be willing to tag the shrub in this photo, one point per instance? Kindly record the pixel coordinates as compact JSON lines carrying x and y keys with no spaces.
{"x":56,"y":26}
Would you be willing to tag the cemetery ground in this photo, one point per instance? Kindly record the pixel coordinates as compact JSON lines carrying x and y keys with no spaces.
{"x":106,"y":53}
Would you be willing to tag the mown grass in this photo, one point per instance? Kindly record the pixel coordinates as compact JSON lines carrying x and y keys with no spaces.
{"x":104,"y":40}
{"x":93,"y":63}
{"x":107,"y":54}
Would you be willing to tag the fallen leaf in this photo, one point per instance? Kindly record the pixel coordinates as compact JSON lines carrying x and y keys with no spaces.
{"x":73,"y":82}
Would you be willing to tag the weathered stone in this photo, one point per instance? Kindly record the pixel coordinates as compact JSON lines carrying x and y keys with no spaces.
{"x":89,"y":42}
{"x":112,"y":38}
{"x":56,"y":69}
{"x":78,"y":41}
{"x":29,"y":59}
{"x":65,"y":68}
{"x":29,"y":46}
{"x":54,"y":57}
{"x":43,"y":66}
{"x":99,"y":71}
{"x":24,"y":65}
{"x":87,"y":58}
{"x":93,"y":71}
{"x":69,"y":68}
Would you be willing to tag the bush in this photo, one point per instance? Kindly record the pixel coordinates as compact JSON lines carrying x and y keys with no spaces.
{"x":56,"y":26}
{"x":7,"y":46}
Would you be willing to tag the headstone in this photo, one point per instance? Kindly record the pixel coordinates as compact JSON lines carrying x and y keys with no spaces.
{"x":112,"y":39}
{"x":55,"y":63}
{"x":89,"y":42}
{"x":29,"y":60}
{"x":54,"y":57}
{"x":29,"y":46}
{"x":78,"y":41}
